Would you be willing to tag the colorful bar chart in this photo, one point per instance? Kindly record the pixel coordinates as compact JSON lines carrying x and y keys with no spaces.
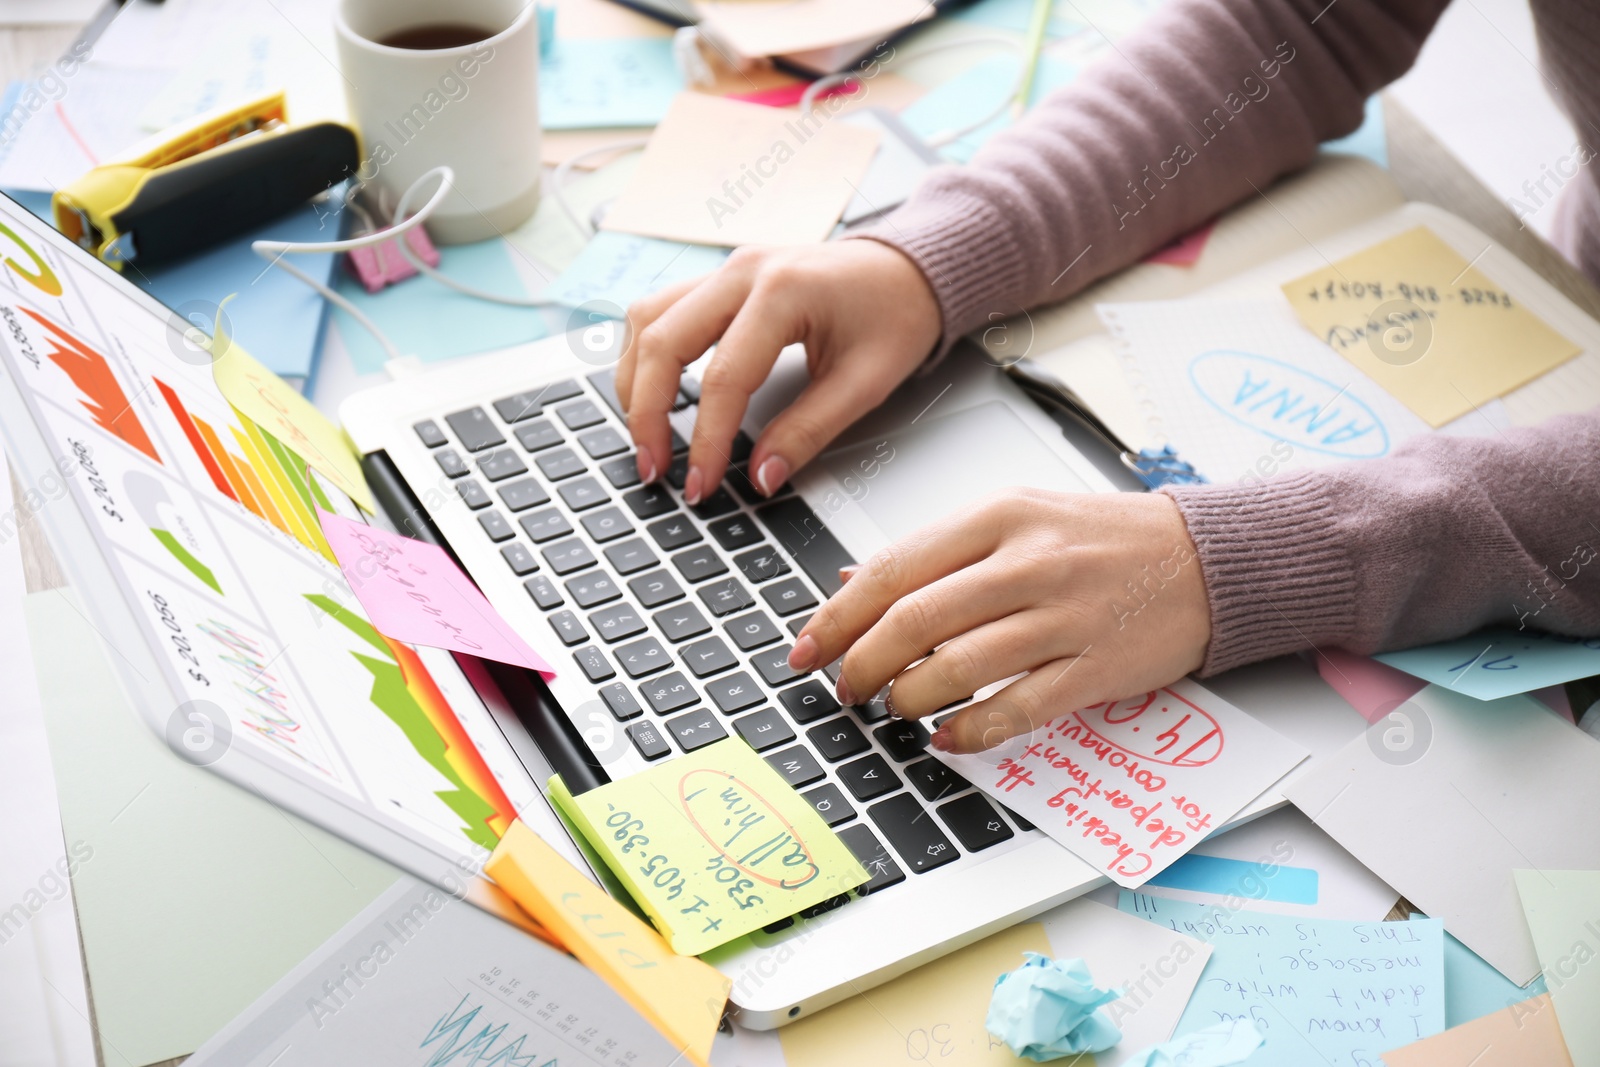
{"x":264,"y":476}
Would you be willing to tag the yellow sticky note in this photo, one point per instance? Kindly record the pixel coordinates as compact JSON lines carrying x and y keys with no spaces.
{"x":1519,"y":1036}
{"x":679,"y":995}
{"x":1431,"y":328}
{"x":713,"y":845}
{"x":933,"y":1015}
{"x":270,"y":402}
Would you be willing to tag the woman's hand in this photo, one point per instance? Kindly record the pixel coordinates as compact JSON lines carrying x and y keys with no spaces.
{"x":1098,"y":597}
{"x":863,"y":310}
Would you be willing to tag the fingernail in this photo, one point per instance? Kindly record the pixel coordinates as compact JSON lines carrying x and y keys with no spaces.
{"x":888,"y":704}
{"x":847,"y":573}
{"x":691,"y":487}
{"x":942,"y":739}
{"x":647,"y":466}
{"x":803,"y":656}
{"x":773,"y":473}
{"x":845,"y":694}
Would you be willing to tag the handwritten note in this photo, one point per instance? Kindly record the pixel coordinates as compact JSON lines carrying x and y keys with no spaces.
{"x":1563,"y":910}
{"x":682,"y":997}
{"x":1431,"y":328}
{"x":1131,"y":785}
{"x":619,"y":268}
{"x":607,"y":82}
{"x":1523,"y":1034}
{"x":413,"y":592}
{"x":1319,"y":989}
{"x":712,"y":845}
{"x":1500,"y":661}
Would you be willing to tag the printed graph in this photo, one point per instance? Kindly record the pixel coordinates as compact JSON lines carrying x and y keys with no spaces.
{"x":153,"y":504}
{"x":102,"y":397}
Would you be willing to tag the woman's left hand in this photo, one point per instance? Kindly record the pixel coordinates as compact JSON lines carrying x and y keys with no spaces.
{"x":1096,"y":596}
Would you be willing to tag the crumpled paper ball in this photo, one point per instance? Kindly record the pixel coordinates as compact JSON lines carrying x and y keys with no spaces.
{"x":1046,"y":1009}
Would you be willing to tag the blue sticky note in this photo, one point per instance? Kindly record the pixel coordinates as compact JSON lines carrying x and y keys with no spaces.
{"x":433,"y":322}
{"x":1500,"y":661}
{"x":1016,"y":15}
{"x":1371,"y":138}
{"x":1320,"y":990}
{"x":1222,"y":876}
{"x":970,"y":96}
{"x":615,"y":81}
{"x":619,"y":268}
{"x":1473,"y":989}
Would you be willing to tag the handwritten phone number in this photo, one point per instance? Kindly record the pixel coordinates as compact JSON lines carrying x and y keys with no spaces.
{"x":667,"y":877}
{"x":1333,"y":292}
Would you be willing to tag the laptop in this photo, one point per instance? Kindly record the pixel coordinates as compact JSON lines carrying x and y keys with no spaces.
{"x":191,"y":532}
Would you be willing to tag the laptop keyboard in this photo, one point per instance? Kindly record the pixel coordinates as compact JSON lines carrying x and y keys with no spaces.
{"x":683,"y":618}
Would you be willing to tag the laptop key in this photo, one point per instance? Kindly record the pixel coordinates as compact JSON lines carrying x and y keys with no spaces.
{"x":565,"y":557}
{"x":556,"y":392}
{"x":519,"y":559}
{"x":594,"y":664}
{"x":719,"y":503}
{"x":475,"y":429}
{"x":648,"y":740}
{"x":681,"y":623}
{"x":678,"y":470}
{"x":761,"y":564}
{"x":538,"y":435}
{"x":450,"y":462}
{"x":917,"y":838}
{"x":697,"y":729}
{"x":608,"y":524}
{"x":605,"y":384}
{"x":495,"y":525}
{"x":870,"y":853}
{"x":808,"y":702}
{"x":708,"y":657}
{"x":501,"y":464}
{"x":737,"y":532}
{"x":751,"y":631}
{"x":519,"y":406}
{"x":621,"y":472}
{"x":642,"y":657}
{"x":725,"y":597}
{"x":630,"y":557}
{"x":648,"y":501}
{"x":620,"y":699}
{"x":798,"y":623}
{"x":568,"y":628}
{"x":739,"y":477}
{"x":581,"y":415}
{"x":765,"y":729}
{"x":735,"y":692}
{"x":788,"y":597}
{"x":797,"y":766}
{"x":975,"y":822}
{"x":802,"y":534}
{"x":590,"y":590}
{"x":601,"y":442}
{"x":826,"y":906}
{"x":675,"y":531}
{"x":584,"y":493}
{"x":699,"y":563}
{"x":472,"y":494}
{"x":546,"y":525}
{"x":829,"y":802}
{"x":838,"y":739}
{"x":934,"y":780}
{"x":543,"y":591}
{"x":669,"y":692}
{"x":902,"y":739}
{"x":773,"y":665}
{"x":1022,"y":824}
{"x":655,"y":588}
{"x":869,"y":777}
{"x":875,"y":709}
{"x":616,"y":623}
{"x":522,"y":494}
{"x":559,"y":464}
{"x":428,"y":433}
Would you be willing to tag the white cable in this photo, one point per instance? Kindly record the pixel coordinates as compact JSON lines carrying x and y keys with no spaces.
{"x":558,"y":180}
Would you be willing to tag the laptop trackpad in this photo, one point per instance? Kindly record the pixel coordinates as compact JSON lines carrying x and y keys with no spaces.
{"x":938,"y":467}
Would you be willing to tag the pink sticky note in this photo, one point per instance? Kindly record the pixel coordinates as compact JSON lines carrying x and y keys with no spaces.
{"x":789,"y":95}
{"x":414,"y":592}
{"x":1185,"y":251}
{"x":1374,"y":689}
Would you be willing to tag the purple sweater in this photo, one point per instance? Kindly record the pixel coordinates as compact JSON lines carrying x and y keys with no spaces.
{"x":1447,"y":535}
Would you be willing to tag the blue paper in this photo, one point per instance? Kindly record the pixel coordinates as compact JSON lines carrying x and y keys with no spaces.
{"x":1047,"y":1009}
{"x":1320,"y":990}
{"x":619,"y":268}
{"x":1500,"y":661}
{"x":433,"y":322}
{"x":1016,"y":15}
{"x":1473,"y":989}
{"x":1215,"y":1046}
{"x":969,"y":96}
{"x":616,"y":81}
{"x":1216,"y":874}
{"x":1371,"y":138}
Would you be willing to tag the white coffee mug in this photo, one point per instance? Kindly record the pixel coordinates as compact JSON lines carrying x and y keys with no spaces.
{"x":473,"y":107}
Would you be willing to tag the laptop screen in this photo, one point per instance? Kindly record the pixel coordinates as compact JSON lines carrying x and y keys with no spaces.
{"x":208,"y":527}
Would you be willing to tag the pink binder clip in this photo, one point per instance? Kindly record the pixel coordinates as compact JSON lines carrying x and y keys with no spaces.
{"x":376,"y":266}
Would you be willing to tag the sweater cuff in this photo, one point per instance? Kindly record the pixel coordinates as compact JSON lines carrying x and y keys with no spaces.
{"x":1276,"y":567}
{"x":942,"y":232}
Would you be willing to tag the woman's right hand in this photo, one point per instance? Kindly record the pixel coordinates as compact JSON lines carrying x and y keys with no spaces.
{"x":863,"y":310}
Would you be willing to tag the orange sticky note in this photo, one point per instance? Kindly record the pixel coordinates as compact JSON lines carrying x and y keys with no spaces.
{"x":679,"y":995}
{"x":1524,"y":1034}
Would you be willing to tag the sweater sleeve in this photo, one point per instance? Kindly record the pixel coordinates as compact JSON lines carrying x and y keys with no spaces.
{"x":1205,"y":105}
{"x":1447,"y":535}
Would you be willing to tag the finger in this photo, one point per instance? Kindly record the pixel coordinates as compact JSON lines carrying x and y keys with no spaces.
{"x":818,"y":415}
{"x":1053,"y":689}
{"x":963,"y":665}
{"x":641,"y":313}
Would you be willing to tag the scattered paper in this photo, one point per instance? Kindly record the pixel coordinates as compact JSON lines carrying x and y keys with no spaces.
{"x":272,"y":404}
{"x":1131,"y":785}
{"x":1215,"y":1046}
{"x":1320,"y":990}
{"x":1500,"y":661}
{"x":712,"y":845}
{"x":756,"y":28}
{"x":1563,"y":910}
{"x":1372,"y":688}
{"x":70,"y":125}
{"x":1047,"y":1009}
{"x":1518,"y":1036}
{"x":619,"y":268}
{"x":618,"y":81}
{"x":934,"y":1014}
{"x":558,"y":146}
{"x":1473,"y":989}
{"x":268,"y":55}
{"x":1489,"y":781}
{"x":1186,"y":250}
{"x":1432,"y":329}
{"x":967,"y":98}
{"x":414,"y":592}
{"x":682,"y":997}
{"x":723,"y":172}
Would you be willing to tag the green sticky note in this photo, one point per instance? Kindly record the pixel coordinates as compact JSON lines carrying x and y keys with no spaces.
{"x":713,"y":845}
{"x":1563,"y":911}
